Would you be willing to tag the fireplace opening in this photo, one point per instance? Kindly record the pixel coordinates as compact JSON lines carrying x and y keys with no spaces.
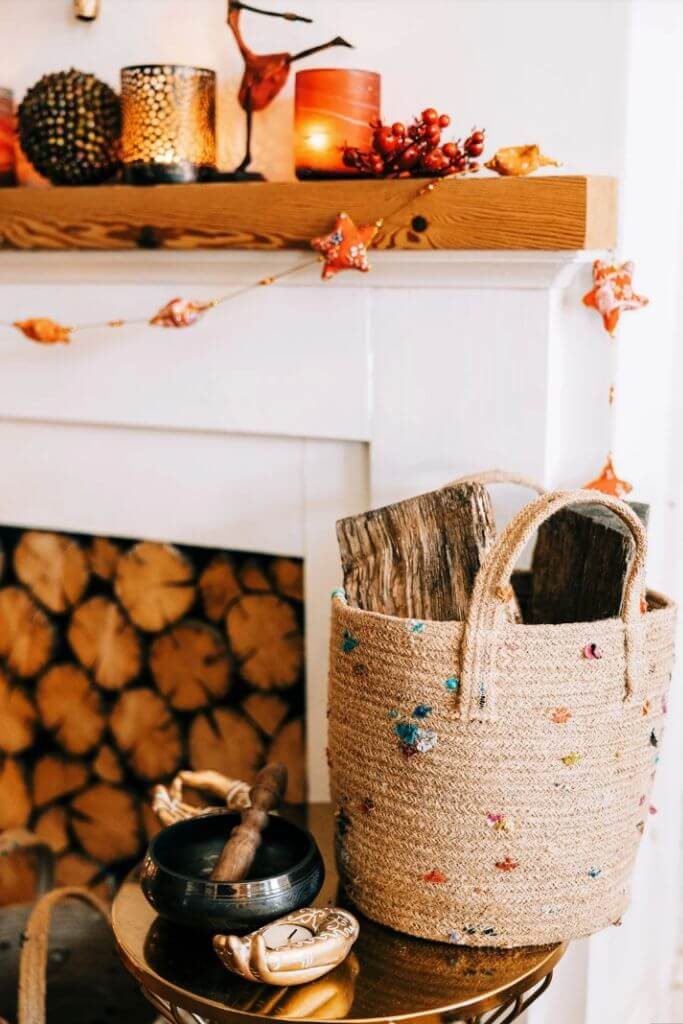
{"x":123,"y":661}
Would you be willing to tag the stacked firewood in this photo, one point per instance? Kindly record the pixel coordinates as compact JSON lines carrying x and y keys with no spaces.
{"x":419,"y":558}
{"x":122,"y":662}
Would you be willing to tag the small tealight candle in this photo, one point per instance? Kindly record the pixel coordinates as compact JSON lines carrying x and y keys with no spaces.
{"x":279,"y":935}
{"x":333,"y":108}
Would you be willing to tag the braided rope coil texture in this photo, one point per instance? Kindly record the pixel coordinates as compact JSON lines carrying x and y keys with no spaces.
{"x":514,"y":827}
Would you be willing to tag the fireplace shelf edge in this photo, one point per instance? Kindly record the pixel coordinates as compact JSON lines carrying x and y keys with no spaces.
{"x":548,"y":213}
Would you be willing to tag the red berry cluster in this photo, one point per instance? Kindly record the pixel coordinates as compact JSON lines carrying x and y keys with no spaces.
{"x":398,"y":151}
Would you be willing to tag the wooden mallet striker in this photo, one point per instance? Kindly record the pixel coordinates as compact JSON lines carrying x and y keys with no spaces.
{"x":238,"y":854}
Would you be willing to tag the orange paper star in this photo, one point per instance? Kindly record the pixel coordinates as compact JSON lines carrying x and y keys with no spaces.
{"x":612,"y":292}
{"x":46,"y":331}
{"x":608,"y":482}
{"x":346,"y":247}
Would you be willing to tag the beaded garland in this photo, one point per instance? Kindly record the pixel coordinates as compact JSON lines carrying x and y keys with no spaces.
{"x":344,"y":248}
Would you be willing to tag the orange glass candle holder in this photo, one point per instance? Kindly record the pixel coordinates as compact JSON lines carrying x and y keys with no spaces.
{"x":333,"y":108}
{"x":7,"y":136}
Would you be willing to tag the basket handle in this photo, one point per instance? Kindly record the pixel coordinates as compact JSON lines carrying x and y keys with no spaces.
{"x":500,"y":476}
{"x":491,"y":590}
{"x":33,"y":961}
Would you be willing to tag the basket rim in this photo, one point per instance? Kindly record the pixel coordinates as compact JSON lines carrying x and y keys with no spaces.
{"x":661,"y":603}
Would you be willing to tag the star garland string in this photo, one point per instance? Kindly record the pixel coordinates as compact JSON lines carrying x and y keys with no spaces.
{"x":344,"y":248}
{"x":611,"y":295}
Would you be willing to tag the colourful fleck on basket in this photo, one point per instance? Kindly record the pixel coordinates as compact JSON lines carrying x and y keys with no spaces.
{"x":492,"y":779}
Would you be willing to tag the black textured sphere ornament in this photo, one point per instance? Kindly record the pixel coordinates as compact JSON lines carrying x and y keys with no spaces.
{"x":69,"y":128}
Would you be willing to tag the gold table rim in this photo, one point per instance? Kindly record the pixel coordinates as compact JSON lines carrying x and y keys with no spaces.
{"x":219,"y":1012}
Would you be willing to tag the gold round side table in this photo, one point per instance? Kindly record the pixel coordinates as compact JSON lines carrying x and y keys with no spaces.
{"x":388,"y":977}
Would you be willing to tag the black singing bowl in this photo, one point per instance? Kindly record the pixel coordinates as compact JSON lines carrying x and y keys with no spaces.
{"x":287,"y":874}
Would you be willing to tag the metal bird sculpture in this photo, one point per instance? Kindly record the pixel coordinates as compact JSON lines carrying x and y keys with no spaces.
{"x":264,"y":74}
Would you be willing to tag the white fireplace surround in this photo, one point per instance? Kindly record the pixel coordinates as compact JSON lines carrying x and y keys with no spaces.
{"x":296,"y":404}
{"x":284,"y":409}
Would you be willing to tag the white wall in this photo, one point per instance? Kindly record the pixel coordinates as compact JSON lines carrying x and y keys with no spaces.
{"x":509,"y":65}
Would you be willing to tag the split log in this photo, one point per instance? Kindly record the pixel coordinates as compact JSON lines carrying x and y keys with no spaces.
{"x":226,"y":742}
{"x":106,"y":823}
{"x":266,"y":639}
{"x":52,"y":828}
{"x":17,"y":718}
{"x":53,"y":567}
{"x":19,"y":875}
{"x":105,"y":642}
{"x":103,"y":557}
{"x":147,"y":734}
{"x":15,"y":801}
{"x":55,"y":777}
{"x":288,"y":574}
{"x":266,"y":710}
{"x":252,"y":577}
{"x":107,"y":766}
{"x":190,"y":665}
{"x":155,"y":584}
{"x":418,"y":558}
{"x":580,"y":565}
{"x":218,"y":587}
{"x":26,"y":636}
{"x":70,"y":708}
{"x":289,"y":747}
{"x":75,"y":869}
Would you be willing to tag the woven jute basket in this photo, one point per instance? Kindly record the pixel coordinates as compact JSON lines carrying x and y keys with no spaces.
{"x":492,"y":779}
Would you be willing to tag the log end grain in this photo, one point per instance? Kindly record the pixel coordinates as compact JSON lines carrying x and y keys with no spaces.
{"x":26,"y":635}
{"x":190,"y":665}
{"x":266,"y":639}
{"x":105,"y":643}
{"x":218,"y":587}
{"x":146,"y":733}
{"x":155,"y":584}
{"x":53,"y":567}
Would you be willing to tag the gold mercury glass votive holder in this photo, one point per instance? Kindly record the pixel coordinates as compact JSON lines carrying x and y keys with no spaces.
{"x":168,"y":114}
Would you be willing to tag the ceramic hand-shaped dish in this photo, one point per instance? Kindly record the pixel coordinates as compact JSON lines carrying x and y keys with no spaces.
{"x":294,"y":949}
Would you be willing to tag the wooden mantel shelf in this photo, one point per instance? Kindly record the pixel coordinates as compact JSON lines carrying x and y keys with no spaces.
{"x":558,"y":212}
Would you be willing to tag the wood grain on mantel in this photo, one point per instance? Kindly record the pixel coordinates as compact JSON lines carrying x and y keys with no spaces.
{"x":551,"y":213}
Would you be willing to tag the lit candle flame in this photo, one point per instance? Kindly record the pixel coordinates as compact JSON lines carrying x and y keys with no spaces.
{"x":318,"y":140}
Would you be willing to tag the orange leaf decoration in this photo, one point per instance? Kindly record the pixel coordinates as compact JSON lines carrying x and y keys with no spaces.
{"x":180,"y":313}
{"x":346,"y":247}
{"x":608,"y":482}
{"x":612,"y":292}
{"x":517,"y":161}
{"x":47,"y":332}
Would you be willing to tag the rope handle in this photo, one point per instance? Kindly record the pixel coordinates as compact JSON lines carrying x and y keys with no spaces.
{"x":500,"y":476}
{"x":33,"y":960}
{"x":492,"y":587}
